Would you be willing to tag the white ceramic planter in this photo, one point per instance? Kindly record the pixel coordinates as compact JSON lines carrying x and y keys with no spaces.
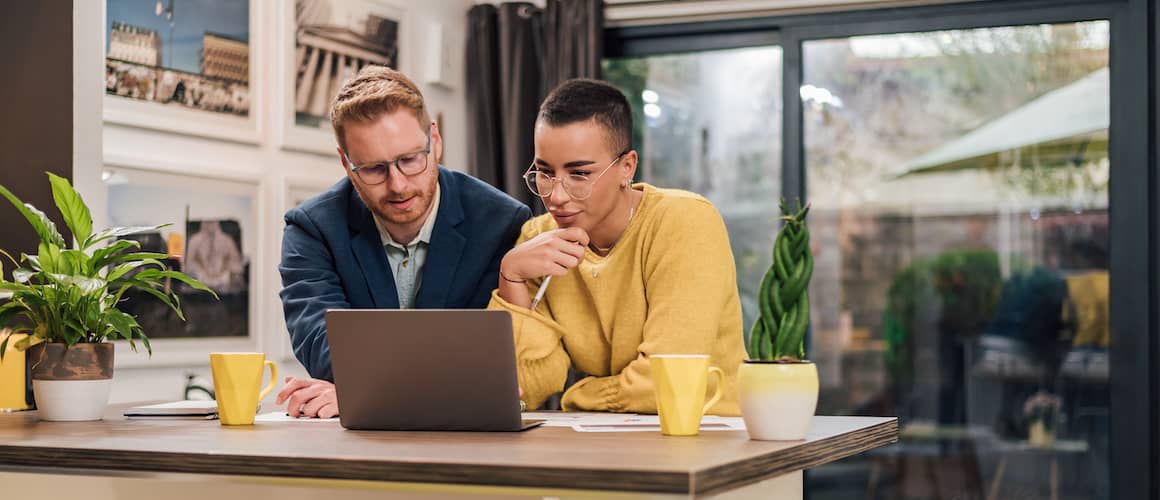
{"x":71,"y":400}
{"x":71,"y":383}
{"x":777,"y":400}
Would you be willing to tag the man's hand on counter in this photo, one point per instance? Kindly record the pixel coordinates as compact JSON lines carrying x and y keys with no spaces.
{"x":308,"y":397}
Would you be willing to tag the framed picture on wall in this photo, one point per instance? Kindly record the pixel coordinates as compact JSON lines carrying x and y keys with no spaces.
{"x":185,"y":67}
{"x":213,"y":235}
{"x":325,"y":43}
{"x":298,"y":190}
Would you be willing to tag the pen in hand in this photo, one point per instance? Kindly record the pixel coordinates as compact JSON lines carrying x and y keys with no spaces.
{"x":540,"y":292}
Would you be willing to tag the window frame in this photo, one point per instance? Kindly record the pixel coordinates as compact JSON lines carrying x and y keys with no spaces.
{"x":1134,"y":48}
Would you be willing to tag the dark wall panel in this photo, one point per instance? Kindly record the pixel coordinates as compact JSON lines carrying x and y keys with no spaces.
{"x":36,"y":123}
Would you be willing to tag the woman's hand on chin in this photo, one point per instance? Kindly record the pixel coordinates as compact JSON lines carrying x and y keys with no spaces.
{"x":551,"y":253}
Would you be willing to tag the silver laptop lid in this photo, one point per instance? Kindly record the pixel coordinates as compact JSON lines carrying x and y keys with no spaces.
{"x":424,"y":369}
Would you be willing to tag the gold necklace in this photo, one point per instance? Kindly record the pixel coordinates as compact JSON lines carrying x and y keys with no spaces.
{"x":604,"y":250}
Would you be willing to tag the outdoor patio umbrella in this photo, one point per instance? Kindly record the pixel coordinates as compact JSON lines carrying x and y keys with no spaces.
{"x":1067,"y":126}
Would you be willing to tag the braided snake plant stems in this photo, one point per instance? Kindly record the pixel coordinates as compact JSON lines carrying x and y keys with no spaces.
{"x":777,"y":385}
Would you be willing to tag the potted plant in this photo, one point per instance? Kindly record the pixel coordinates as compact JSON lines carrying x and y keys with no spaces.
{"x":66,"y":299}
{"x":1041,"y":411}
{"x":777,"y":385}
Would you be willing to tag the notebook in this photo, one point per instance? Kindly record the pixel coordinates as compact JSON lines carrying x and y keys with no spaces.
{"x":191,"y":409}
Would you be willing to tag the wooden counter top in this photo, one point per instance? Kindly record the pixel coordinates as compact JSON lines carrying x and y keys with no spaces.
{"x":543,"y":457}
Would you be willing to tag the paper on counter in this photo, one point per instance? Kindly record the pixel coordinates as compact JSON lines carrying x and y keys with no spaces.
{"x":580,"y":422}
{"x":570,"y":419}
{"x":651,"y":423}
{"x":624,"y":422}
{"x":281,"y":416}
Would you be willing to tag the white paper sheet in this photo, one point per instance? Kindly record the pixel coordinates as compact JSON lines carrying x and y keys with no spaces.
{"x":579,"y":422}
{"x":568,"y":419}
{"x":281,"y":416}
{"x":652,"y":423}
{"x":625,"y":422}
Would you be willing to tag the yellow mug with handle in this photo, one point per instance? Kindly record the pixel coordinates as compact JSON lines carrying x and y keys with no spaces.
{"x":237,"y":384}
{"x":12,"y":374}
{"x":680,"y":381}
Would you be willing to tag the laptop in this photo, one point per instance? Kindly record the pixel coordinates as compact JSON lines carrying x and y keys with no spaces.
{"x":425,"y":370}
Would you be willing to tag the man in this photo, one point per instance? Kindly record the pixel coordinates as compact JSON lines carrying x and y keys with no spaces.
{"x":399,"y":231}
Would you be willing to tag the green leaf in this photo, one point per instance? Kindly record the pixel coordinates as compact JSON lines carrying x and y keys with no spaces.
{"x":22,"y":275}
{"x":123,"y":269}
{"x":11,"y":305}
{"x":93,"y":310}
{"x":78,"y":330}
{"x":10,"y":286}
{"x":162,"y":296}
{"x":104,"y":256}
{"x":126,"y":326}
{"x":84,"y":284}
{"x":34,"y":297}
{"x":121,"y":323}
{"x":75,"y":262}
{"x":117,"y":232}
{"x":26,"y":342}
{"x":72,"y":207}
{"x":139,"y":256}
{"x":49,"y":255}
{"x":6,"y":315}
{"x":180,"y":276}
{"x":145,"y":341}
{"x":40,"y":222}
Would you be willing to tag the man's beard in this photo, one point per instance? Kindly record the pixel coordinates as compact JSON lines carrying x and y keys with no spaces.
{"x":419,"y":207}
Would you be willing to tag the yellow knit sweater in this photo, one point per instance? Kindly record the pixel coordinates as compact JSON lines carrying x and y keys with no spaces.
{"x":668,"y":287}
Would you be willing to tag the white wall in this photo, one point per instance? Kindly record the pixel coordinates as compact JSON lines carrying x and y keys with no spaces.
{"x":277,"y":174}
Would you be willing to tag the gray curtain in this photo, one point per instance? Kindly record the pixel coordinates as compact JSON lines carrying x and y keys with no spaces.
{"x":516,"y":54}
{"x":574,"y":40}
{"x":520,"y":74}
{"x":483,"y":125}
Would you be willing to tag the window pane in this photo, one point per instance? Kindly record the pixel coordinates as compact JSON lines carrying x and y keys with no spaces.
{"x":959,"y":184}
{"x":710,"y":122}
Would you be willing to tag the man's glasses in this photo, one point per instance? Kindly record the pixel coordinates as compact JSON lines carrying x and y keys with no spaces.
{"x":578,"y":186}
{"x":410,"y":165}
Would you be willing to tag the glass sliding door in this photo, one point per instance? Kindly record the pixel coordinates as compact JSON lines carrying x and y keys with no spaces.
{"x":959,"y":182}
{"x":710,"y":122}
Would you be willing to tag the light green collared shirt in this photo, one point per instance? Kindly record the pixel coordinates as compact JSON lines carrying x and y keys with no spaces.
{"x":407,"y":260}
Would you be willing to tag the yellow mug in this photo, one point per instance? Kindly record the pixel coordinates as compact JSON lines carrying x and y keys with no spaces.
{"x":12,"y":372}
{"x":679,"y":381}
{"x":237,"y":378}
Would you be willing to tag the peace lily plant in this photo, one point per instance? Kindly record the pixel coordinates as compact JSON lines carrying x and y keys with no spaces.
{"x":62,"y":305}
{"x":778,"y":386}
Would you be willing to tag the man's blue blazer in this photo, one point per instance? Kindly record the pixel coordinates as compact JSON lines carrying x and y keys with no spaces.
{"x":333,"y":258}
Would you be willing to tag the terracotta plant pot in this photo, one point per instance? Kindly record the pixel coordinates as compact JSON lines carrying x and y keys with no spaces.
{"x":71,"y":383}
{"x":777,"y":399}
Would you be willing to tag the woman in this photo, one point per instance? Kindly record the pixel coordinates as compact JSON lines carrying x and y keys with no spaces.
{"x":634,"y":270}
